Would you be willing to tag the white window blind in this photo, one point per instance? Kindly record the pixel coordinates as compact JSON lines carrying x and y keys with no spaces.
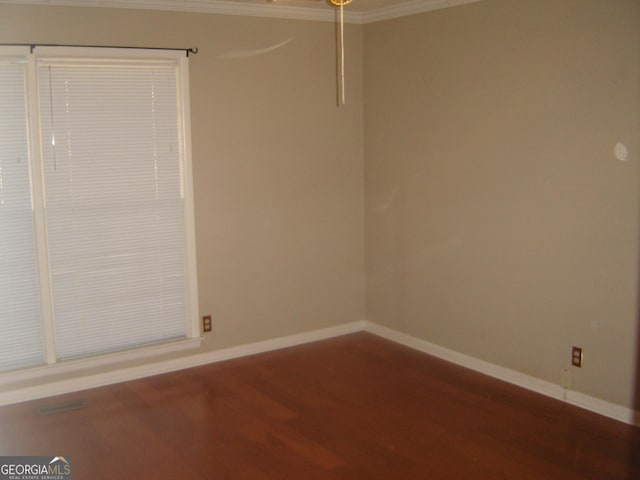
{"x":20,"y":322}
{"x":96,"y":219}
{"x":114,"y":207}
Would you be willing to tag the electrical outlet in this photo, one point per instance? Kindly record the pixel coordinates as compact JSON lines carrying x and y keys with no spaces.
{"x":576,"y":356}
{"x":206,"y":323}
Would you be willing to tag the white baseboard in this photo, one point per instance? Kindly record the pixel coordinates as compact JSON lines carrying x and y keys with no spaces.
{"x":33,"y":392}
{"x":593,"y":404}
{"x":602,"y":407}
{"x":608,"y":409}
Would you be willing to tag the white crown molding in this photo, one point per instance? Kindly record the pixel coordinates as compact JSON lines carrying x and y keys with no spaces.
{"x":219,"y":7}
{"x":229,"y":7}
{"x":411,"y":7}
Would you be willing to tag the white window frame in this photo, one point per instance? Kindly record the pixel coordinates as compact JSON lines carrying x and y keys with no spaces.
{"x":193,"y":335}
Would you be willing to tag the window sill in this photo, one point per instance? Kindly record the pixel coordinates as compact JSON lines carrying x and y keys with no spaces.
{"x":70,"y":367}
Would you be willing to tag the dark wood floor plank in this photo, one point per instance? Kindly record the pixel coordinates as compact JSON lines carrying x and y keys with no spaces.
{"x":353,"y":407}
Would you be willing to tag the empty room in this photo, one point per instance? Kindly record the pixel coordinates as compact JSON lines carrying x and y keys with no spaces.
{"x":320,"y":239}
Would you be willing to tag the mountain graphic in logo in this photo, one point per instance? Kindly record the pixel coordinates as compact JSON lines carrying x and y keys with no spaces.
{"x":58,"y":459}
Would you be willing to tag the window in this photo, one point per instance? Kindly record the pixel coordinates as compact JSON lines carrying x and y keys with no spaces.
{"x":20,"y":330}
{"x":96,"y":240}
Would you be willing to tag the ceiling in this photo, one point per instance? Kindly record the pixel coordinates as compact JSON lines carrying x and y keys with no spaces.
{"x":359,"y":11}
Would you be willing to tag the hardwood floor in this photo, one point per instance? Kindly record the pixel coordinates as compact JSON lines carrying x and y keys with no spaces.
{"x":354,"y":407}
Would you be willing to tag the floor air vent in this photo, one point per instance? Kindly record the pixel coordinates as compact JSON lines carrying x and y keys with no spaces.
{"x":61,"y":407}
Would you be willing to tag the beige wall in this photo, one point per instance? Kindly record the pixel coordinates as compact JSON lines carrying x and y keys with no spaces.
{"x":279,"y":186}
{"x":498,"y":222}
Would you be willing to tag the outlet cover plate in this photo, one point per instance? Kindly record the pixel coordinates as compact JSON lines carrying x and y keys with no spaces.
{"x":206,"y":323}
{"x":576,"y":356}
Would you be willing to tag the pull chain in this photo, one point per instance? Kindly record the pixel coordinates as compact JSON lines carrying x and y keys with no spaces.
{"x":342,"y":93}
{"x":341,"y":79}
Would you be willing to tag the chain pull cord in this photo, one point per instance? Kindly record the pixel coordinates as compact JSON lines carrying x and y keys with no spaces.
{"x":342,"y":94}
